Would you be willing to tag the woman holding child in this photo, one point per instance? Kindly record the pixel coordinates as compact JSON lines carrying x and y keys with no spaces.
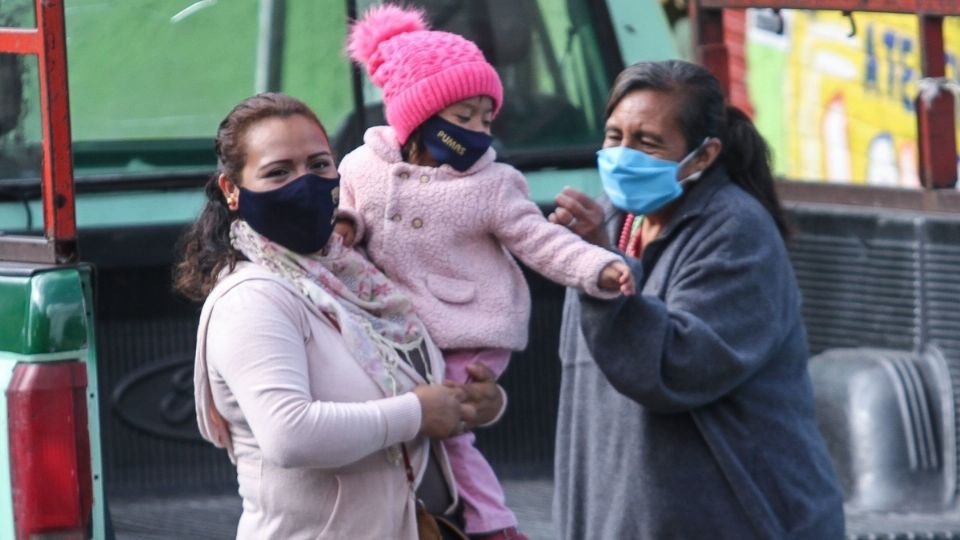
{"x":319,"y":374}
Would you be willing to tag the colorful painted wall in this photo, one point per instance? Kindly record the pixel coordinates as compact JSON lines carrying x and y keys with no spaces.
{"x":837,"y":108}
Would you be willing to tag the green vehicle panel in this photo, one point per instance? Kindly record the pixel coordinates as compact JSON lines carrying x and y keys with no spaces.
{"x":44,"y":314}
{"x":47,"y":316}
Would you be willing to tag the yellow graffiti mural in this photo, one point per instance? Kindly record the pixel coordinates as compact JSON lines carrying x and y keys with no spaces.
{"x":835,"y":107}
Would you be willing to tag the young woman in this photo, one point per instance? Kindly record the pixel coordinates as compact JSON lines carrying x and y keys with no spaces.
{"x":312,"y":369}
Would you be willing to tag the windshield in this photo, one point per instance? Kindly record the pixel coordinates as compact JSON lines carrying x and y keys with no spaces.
{"x":19,"y":115}
{"x":148,"y":85}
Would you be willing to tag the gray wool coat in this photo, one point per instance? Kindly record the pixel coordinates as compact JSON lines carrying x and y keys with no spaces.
{"x":686,"y":411}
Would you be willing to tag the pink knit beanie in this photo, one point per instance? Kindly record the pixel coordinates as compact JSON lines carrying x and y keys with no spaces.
{"x":420,"y":71}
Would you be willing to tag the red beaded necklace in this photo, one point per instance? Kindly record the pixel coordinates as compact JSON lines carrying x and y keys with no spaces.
{"x":630,"y":246}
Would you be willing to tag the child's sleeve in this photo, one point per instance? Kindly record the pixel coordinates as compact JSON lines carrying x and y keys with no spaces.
{"x":550,"y":249}
{"x":347,"y":208}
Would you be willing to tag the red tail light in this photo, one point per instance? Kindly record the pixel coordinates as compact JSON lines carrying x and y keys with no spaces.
{"x":50,"y":450}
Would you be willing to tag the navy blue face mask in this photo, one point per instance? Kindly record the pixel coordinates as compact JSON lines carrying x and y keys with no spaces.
{"x":453,"y":145}
{"x":299,"y":215}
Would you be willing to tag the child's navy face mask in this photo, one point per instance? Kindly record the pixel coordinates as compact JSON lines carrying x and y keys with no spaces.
{"x":299,"y":215}
{"x":453,"y":145}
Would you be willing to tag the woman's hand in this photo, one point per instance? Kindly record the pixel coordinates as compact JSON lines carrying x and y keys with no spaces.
{"x":441,"y":407}
{"x":582,"y":215}
{"x":346,"y":229}
{"x":617,"y":275}
{"x":483,"y":401}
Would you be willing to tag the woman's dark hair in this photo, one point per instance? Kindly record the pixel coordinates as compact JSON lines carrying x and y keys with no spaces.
{"x":702,"y":112}
{"x":205,"y":248}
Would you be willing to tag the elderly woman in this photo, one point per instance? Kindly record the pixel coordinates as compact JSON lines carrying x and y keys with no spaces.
{"x":686,"y":411}
{"x":312,"y":369}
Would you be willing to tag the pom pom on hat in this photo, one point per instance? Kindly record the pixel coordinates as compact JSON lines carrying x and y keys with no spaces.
{"x":421,"y":71}
{"x":379,"y":24}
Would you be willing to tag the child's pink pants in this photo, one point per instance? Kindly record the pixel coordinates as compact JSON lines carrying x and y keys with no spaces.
{"x":484,"y":509}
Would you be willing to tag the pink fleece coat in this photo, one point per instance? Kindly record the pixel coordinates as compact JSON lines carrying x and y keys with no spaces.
{"x":446,"y":238}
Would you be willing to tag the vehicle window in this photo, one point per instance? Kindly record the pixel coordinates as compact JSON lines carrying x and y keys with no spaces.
{"x":840,"y":108}
{"x":551,"y":64}
{"x":18,"y":14}
{"x":19,"y":113}
{"x":149,"y":82}
{"x":19,"y":117}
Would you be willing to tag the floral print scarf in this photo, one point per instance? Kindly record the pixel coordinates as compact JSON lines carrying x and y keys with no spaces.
{"x":375,"y":317}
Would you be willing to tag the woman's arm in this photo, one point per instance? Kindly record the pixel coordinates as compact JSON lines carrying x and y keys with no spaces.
{"x":722,"y":319}
{"x":255,"y":342}
{"x":548,"y":248}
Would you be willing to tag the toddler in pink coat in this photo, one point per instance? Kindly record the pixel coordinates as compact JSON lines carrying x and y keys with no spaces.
{"x":441,"y":218}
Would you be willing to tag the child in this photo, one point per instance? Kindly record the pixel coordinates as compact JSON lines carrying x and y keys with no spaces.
{"x":441,"y":218}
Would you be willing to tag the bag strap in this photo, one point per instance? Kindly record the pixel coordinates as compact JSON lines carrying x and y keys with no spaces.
{"x":440,"y":526}
{"x":408,"y":467}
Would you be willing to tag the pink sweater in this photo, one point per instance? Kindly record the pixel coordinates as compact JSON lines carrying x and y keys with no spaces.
{"x":446,"y":238}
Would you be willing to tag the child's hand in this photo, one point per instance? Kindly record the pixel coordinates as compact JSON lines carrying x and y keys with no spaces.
{"x":346,"y":229}
{"x":617,"y":275}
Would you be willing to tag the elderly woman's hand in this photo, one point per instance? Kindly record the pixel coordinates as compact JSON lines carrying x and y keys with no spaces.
{"x":582,"y":215}
{"x":484,"y":400}
{"x":441,"y":408}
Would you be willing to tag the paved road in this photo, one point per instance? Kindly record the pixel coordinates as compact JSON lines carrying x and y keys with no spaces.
{"x":214,"y":517}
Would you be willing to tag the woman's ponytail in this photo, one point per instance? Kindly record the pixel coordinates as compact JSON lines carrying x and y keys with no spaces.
{"x":746,"y":157}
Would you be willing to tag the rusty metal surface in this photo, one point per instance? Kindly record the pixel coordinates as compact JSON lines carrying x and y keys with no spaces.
{"x":708,"y":43}
{"x":27,"y":249}
{"x":59,"y":217}
{"x":931,"y":7}
{"x":936,"y":135}
{"x":917,"y":200}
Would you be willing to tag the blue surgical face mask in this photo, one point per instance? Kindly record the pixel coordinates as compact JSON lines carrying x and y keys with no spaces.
{"x":299,"y":215}
{"x":453,"y":145}
{"x":638,"y":182}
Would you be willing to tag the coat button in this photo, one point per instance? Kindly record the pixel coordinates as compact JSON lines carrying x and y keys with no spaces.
{"x":417,"y":223}
{"x":396,"y":217}
{"x":404,"y":176}
{"x":424,"y":179}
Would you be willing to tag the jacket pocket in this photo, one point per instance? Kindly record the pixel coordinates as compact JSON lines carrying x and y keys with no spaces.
{"x":766,"y":486}
{"x":451,"y":290}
